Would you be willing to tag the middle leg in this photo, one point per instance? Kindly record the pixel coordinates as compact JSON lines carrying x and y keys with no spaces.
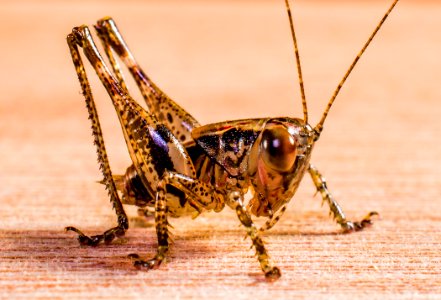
{"x":191,"y":193}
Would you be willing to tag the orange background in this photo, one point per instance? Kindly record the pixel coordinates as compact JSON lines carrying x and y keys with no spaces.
{"x":380,"y":149}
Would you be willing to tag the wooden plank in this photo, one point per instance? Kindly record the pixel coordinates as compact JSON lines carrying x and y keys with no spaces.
{"x":380,"y":149}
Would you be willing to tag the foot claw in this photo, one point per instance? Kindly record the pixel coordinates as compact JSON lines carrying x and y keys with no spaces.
{"x":133,"y":256}
{"x":273,"y":274}
{"x":84,"y":239}
{"x":74,"y":229}
{"x":107,"y":237}
{"x":146,"y":264}
{"x":349,"y":226}
{"x":89,"y":240}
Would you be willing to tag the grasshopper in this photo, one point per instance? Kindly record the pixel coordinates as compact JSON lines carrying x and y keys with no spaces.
{"x":181,"y":168}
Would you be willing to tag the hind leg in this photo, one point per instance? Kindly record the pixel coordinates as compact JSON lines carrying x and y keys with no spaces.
{"x":104,"y":165}
{"x":167,"y":111}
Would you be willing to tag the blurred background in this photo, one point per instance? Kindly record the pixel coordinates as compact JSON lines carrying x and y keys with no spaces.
{"x":221,"y":60}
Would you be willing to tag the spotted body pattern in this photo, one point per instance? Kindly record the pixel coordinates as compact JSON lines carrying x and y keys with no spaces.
{"x":180,"y":168}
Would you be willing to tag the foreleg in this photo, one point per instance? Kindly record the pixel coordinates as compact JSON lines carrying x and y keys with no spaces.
{"x":236,"y":202}
{"x":335,"y":208}
{"x":274,"y":219}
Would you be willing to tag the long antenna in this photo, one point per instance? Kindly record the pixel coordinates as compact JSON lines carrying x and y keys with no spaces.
{"x":319,"y":126}
{"x":299,"y":68}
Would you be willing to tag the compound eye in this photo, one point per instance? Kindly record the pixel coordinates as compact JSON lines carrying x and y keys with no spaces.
{"x":278,"y":148}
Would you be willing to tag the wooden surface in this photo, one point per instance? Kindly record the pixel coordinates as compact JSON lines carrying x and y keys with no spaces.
{"x":380,"y":149}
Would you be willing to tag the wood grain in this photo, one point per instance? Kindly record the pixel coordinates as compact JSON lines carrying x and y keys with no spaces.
{"x":380,"y":149}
